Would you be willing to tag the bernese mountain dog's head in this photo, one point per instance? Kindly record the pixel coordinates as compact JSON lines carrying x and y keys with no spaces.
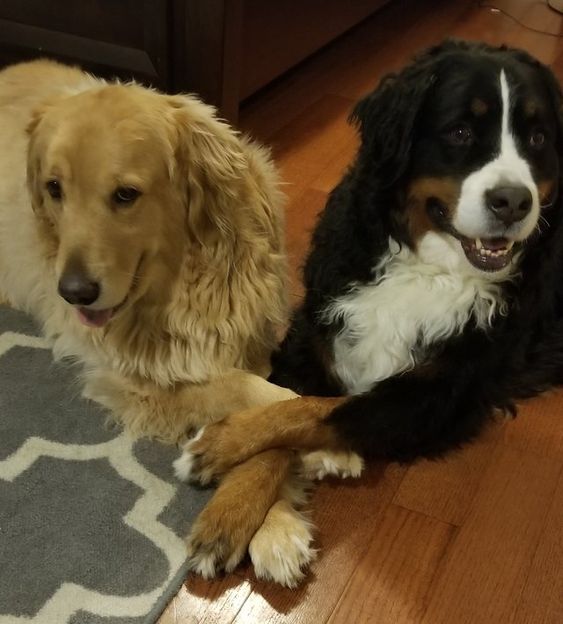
{"x":467,"y":139}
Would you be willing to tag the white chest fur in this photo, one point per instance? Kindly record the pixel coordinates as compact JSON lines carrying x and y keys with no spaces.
{"x":415,"y":299}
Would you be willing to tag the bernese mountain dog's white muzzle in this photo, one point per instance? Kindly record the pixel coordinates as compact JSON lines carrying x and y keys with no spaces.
{"x":499,"y":203}
{"x":484,"y":161}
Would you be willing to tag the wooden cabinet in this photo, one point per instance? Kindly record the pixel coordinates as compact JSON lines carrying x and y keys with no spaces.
{"x":112,"y":37}
{"x":175,"y":45}
{"x":224,"y":50}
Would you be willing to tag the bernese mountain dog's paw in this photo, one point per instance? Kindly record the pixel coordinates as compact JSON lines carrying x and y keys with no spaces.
{"x":320,"y":464}
{"x":281,"y":550}
{"x":220,"y":446}
{"x":209,"y":454}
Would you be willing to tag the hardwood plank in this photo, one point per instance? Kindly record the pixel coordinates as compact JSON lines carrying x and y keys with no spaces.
{"x":275,"y":108}
{"x":445,"y":489}
{"x":391,"y":582}
{"x":531,"y":614}
{"x":329,"y":177}
{"x":346,"y":516}
{"x":487,"y":565}
{"x":396,"y":48}
{"x":538,"y":428}
{"x":266,"y":54}
{"x":542,"y":597}
{"x":212,"y":602}
{"x":315,"y":137}
{"x":494,"y":27}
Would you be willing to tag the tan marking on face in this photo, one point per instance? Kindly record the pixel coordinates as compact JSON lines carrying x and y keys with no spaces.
{"x":530,"y":108}
{"x":418,"y":222}
{"x":545,"y":188}
{"x":479,"y":107}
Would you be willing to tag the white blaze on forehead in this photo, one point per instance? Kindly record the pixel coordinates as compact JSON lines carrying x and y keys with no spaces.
{"x":509,"y":168}
{"x":506,"y":142}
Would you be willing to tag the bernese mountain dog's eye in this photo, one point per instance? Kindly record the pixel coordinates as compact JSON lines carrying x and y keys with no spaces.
{"x":125,"y":195}
{"x":55,"y":189}
{"x":537,"y":139}
{"x":460,"y":135}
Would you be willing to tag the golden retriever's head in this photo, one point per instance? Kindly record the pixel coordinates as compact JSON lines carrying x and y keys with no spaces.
{"x":122,"y":180}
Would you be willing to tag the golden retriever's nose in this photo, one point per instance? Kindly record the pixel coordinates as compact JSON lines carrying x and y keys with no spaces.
{"x":77,"y":288}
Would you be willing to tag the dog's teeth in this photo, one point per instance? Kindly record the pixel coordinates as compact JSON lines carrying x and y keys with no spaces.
{"x":509,"y":246}
{"x":478,"y":244}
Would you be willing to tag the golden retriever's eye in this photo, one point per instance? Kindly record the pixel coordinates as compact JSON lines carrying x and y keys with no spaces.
{"x":55,"y":189}
{"x":125,"y":195}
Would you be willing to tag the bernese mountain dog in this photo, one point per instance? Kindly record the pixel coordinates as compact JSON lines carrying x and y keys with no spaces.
{"x":434,"y":283}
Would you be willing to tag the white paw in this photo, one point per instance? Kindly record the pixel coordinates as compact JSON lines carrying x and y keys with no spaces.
{"x":204,"y":564}
{"x":319,"y":464}
{"x":184,"y":464}
{"x":281,"y":549}
{"x":208,"y":560}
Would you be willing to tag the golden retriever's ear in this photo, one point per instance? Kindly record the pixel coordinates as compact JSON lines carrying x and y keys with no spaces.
{"x":34,"y":159}
{"x":39,"y":112}
{"x":35,"y":149}
{"x":212,"y":165}
{"x":35,"y":119}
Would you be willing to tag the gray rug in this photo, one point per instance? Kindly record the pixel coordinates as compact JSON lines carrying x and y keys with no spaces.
{"x":90,"y":521}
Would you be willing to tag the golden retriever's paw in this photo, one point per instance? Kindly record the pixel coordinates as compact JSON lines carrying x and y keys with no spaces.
{"x":211,"y":554}
{"x":220,"y":536}
{"x":281,"y":549}
{"x":342,"y":464}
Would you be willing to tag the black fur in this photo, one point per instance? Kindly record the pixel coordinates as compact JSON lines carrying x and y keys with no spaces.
{"x":447,"y":401}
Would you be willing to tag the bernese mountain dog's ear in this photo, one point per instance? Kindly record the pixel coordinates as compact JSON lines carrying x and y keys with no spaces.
{"x":552,"y":86}
{"x":386,"y":117}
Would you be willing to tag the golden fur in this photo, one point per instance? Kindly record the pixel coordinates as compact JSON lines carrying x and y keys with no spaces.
{"x":268,"y":523}
{"x":193,"y":272}
{"x":198,"y":260}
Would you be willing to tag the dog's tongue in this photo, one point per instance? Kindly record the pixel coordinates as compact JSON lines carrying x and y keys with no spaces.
{"x":94,"y":318}
{"x":494,"y":243}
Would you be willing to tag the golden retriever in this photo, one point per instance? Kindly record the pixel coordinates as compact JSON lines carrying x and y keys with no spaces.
{"x":146,"y":236}
{"x":147,"y":240}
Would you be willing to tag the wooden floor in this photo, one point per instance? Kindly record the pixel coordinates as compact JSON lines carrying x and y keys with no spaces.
{"x":476,"y":539}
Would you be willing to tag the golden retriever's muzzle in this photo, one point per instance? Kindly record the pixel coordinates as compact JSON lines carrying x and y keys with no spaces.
{"x":80,"y":290}
{"x":76,"y":287}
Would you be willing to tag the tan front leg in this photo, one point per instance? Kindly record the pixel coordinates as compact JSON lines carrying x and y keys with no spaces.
{"x":147,"y":409}
{"x":223,"y":530}
{"x":299,"y":423}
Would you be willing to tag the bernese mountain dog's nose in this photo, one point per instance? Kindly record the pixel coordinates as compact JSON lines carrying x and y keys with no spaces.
{"x":509,"y":204}
{"x":76,"y":288}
